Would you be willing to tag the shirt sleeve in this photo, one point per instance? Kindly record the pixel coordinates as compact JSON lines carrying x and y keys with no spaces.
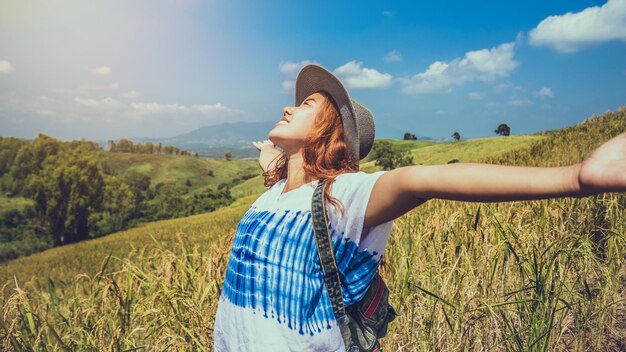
{"x":353,"y":190}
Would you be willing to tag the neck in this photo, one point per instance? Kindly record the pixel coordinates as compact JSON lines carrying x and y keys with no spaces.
{"x":296,"y":176}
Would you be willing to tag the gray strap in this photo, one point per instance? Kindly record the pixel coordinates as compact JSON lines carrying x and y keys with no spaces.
{"x":325,"y":251}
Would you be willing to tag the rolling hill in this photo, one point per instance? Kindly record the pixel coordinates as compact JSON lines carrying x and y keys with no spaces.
{"x":201,"y":172}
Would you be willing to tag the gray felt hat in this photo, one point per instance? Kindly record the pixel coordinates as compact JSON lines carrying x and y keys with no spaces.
{"x":358,"y":121}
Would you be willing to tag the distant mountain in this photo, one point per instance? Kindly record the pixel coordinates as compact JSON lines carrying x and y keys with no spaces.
{"x":214,"y":141}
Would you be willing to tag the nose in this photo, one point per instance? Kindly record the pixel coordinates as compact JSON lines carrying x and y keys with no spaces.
{"x":287,"y":110}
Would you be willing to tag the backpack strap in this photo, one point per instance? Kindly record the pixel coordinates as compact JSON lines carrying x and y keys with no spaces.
{"x":325,"y":251}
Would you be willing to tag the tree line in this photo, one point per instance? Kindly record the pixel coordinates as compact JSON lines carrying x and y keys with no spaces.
{"x":127,"y":146}
{"x":76,"y":198}
{"x":502,"y":130}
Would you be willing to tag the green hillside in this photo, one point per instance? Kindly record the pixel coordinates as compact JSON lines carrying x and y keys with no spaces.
{"x":540,"y":275}
{"x":428,"y":153}
{"x":201,"y":172}
{"x":119,"y":191}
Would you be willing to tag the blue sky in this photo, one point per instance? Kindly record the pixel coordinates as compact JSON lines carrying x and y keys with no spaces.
{"x":110,"y":69}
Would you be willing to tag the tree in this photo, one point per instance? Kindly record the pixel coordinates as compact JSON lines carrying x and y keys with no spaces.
{"x":118,"y":204}
{"x":168,"y":201}
{"x":67,"y":191}
{"x":409,"y":137}
{"x":125,"y":146}
{"x":9,"y":146}
{"x":456,"y":136}
{"x":503,"y":130}
{"x":149,"y":147}
{"x":29,"y":160}
{"x":388,"y":158}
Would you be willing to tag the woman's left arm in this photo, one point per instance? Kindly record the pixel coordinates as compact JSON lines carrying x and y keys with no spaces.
{"x":400,"y":190}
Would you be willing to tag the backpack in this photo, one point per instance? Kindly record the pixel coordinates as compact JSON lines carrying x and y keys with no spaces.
{"x":366,"y":321}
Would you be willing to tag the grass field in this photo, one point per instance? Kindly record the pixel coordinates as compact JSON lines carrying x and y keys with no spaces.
{"x":428,"y":153}
{"x":520,"y":276}
{"x":178,"y":169}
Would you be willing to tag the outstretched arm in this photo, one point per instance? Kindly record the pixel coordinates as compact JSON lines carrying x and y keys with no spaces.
{"x":401,"y":190}
{"x":269,"y":154}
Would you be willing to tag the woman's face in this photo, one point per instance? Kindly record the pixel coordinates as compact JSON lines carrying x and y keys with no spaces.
{"x":296,"y":123}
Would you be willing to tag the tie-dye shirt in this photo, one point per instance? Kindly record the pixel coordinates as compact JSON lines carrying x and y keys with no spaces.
{"x":273,"y":297}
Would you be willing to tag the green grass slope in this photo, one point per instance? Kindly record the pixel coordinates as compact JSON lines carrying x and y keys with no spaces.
{"x":428,"y":153}
{"x":178,"y":169}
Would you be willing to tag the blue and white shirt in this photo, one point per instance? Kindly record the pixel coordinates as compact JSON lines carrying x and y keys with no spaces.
{"x":273,"y":297}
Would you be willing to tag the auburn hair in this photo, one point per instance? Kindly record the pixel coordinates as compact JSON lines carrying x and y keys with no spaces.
{"x":325,"y":153}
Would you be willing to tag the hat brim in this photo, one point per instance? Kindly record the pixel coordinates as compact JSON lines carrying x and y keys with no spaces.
{"x":313,"y":79}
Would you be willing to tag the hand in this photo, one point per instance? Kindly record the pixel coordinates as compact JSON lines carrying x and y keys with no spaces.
{"x":269,"y":154}
{"x":605,"y":169}
{"x":260,"y":145}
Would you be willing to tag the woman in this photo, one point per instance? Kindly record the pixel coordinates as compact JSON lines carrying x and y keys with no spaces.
{"x":273,"y":297}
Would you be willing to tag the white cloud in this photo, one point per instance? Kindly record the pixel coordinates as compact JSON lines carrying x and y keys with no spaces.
{"x":291,"y":69}
{"x":159,"y":107}
{"x":211,"y":108}
{"x":544,"y":92}
{"x":393,"y":56}
{"x":105,"y":103}
{"x":109,"y":117}
{"x":352,"y":74}
{"x":484,"y":65}
{"x":355,"y":76}
{"x":475,"y":95}
{"x":489,"y":64}
{"x":5,"y":67}
{"x":572,"y":31}
{"x":133,"y":94}
{"x":101,"y":71}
